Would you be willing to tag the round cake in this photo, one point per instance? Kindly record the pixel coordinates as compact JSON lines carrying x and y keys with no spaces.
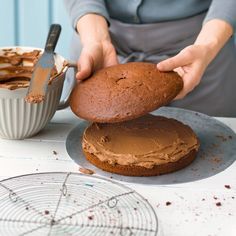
{"x":146,"y":146}
{"x":124,"y":92}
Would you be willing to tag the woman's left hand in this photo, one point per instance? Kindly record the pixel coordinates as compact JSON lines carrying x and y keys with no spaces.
{"x":193,"y":60}
{"x":190,"y":64}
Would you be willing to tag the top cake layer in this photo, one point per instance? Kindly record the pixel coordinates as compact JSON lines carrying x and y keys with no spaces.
{"x":124,"y":92}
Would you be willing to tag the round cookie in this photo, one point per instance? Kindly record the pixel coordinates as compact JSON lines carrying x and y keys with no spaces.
{"x":147,"y":146}
{"x":124,"y":92}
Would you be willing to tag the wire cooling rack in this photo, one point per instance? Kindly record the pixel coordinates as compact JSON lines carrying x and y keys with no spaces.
{"x":60,"y":203}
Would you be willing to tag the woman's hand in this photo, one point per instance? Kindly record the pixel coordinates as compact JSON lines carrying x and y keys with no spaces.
{"x":97,"y":49}
{"x":94,"y":56}
{"x":193,"y":60}
{"x":190,"y":64}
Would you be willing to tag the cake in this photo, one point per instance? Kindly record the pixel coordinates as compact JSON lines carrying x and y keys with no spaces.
{"x":124,"y":92}
{"x":147,"y":146}
{"x":123,"y":138}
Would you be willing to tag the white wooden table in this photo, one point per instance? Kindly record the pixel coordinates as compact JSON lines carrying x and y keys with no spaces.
{"x":192,"y":211}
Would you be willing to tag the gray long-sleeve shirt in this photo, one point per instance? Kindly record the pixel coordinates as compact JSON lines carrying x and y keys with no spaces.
{"x":152,"y":11}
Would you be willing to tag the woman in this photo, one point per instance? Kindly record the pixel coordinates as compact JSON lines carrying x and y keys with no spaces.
{"x":192,"y":37}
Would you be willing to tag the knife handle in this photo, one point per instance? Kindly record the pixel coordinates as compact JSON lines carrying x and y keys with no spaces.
{"x":53,"y":36}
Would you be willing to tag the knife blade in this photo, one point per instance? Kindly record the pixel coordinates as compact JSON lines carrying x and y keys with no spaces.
{"x":43,"y":68}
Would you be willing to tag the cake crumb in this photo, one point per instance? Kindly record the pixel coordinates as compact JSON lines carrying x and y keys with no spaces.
{"x":227,"y":186}
{"x":218,"y":204}
{"x":168,"y":203}
{"x":216,"y":160}
{"x":90,"y":217}
{"x":222,"y":137}
{"x":86,"y":171}
{"x":46,"y":212}
{"x":54,"y":152}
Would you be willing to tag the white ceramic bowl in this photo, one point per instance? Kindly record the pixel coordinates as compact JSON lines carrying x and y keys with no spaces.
{"x":19,"y":119}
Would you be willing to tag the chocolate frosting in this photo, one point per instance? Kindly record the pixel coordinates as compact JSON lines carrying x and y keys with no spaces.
{"x":146,"y":141}
{"x":16,"y":68}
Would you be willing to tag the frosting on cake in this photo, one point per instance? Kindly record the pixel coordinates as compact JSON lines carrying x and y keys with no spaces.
{"x":146,"y":141}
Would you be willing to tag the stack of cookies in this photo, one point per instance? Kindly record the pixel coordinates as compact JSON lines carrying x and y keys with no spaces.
{"x":123,"y":138}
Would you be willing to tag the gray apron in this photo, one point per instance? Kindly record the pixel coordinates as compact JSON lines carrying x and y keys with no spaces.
{"x":215,"y":95}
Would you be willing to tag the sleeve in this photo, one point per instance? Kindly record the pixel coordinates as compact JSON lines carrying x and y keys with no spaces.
{"x":224,"y":10}
{"x":79,"y":8}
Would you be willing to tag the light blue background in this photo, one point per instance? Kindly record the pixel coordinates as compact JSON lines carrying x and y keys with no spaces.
{"x":26,"y":23}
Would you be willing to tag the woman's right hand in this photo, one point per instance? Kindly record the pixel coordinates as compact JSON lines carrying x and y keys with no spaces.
{"x":97,"y":49}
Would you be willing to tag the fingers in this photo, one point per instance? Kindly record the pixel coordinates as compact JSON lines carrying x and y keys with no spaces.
{"x":111,"y":59}
{"x":189,"y":64}
{"x":95,"y":57}
{"x":181,"y":59}
{"x":191,"y":79}
{"x":85,"y":66}
{"x":180,"y":71}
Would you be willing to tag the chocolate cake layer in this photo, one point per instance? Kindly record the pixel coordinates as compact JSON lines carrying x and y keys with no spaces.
{"x":124,"y":92}
{"x":146,"y":142}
